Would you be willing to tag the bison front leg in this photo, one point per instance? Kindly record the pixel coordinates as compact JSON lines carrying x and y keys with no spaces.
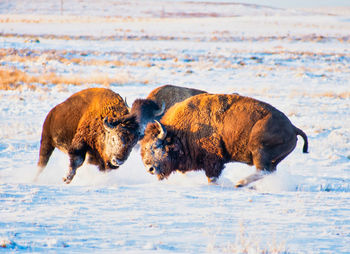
{"x":212,"y":180}
{"x":76,"y":158}
{"x":213,"y":172}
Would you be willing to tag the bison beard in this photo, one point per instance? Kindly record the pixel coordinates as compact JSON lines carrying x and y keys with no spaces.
{"x":206,"y":131}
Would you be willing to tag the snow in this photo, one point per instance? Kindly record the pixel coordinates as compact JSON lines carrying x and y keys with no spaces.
{"x":297,"y":60}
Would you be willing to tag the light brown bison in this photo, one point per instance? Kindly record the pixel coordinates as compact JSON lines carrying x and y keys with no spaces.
{"x":79,"y":126}
{"x":144,"y":111}
{"x":206,"y":131}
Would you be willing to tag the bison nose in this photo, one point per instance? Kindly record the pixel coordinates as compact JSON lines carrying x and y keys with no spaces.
{"x":117,"y":162}
{"x":120,"y":162}
{"x":151,"y":170}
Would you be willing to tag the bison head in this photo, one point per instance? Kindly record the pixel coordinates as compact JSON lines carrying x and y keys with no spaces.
{"x":120,"y":137}
{"x":160,"y":151}
{"x":146,"y":111}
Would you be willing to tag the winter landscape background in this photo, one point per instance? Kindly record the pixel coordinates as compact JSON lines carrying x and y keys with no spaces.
{"x":297,"y":59}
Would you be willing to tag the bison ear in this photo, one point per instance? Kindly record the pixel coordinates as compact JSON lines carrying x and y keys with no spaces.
{"x":129,"y":122}
{"x":162,"y":130}
{"x":109,"y":126}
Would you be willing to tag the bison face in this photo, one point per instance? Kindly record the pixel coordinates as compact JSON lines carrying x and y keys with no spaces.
{"x":120,"y":137}
{"x":159,"y":152}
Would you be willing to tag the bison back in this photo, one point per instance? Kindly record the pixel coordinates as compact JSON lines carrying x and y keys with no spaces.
{"x":170,"y":94}
{"x":219,"y":123}
{"x":63,"y":120}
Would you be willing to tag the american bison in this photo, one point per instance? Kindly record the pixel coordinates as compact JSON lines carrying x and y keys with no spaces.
{"x":206,"y":131}
{"x":144,"y":111}
{"x":170,"y":94}
{"x":80,"y":126}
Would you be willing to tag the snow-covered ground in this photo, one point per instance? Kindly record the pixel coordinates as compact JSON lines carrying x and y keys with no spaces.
{"x":297,"y":60}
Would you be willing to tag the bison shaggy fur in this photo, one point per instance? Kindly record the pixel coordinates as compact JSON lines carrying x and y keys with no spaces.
{"x":79,"y":126}
{"x":144,"y":111}
{"x":170,"y":94}
{"x":207,"y":130}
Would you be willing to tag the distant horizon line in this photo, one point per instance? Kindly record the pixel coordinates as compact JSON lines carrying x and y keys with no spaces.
{"x":281,"y":4}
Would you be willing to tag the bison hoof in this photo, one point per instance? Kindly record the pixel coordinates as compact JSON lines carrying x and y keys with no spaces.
{"x":212,"y":180}
{"x":239,"y":185}
{"x":67,"y":180}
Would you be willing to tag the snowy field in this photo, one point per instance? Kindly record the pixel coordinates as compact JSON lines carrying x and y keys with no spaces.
{"x":295,"y":59}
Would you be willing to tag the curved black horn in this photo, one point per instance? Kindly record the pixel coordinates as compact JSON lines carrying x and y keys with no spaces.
{"x":126,"y":103}
{"x":161,"y":110}
{"x":163,"y":132}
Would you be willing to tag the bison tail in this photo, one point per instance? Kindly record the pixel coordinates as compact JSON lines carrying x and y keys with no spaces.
{"x":303,"y":135}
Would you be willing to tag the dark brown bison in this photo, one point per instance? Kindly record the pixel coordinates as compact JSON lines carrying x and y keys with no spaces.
{"x":144,"y":111}
{"x":79,"y":126}
{"x":169,"y":95}
{"x":206,"y":131}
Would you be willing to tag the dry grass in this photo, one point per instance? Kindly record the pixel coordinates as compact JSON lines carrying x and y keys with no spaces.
{"x":42,"y":67}
{"x":15,"y":79}
{"x":11,"y":80}
{"x":31,"y":67}
{"x":333,"y":95}
{"x":324,"y":94}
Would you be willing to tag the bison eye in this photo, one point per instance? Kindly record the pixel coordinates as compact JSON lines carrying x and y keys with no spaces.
{"x":151,"y":170}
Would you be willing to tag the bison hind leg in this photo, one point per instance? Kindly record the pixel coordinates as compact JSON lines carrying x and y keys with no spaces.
{"x":263,"y":160}
{"x":39,"y":171}
{"x":264,"y":165}
{"x":251,"y":178}
{"x":46,"y":149}
{"x":266,"y":160}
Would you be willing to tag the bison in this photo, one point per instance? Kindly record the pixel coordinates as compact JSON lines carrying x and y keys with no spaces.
{"x":79,"y":126}
{"x":170,"y":94}
{"x":144,"y":111}
{"x":206,"y":131}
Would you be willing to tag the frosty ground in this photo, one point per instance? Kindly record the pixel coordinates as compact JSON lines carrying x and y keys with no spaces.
{"x":297,"y":60}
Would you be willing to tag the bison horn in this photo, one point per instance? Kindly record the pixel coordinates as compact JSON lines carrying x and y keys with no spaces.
{"x":109,"y":126}
{"x":160,"y":111}
{"x":126,"y":103}
{"x":163,"y":132}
